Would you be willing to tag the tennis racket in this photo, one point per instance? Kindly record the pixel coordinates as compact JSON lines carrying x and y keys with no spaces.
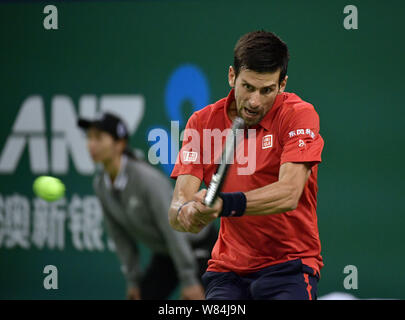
{"x":218,"y":177}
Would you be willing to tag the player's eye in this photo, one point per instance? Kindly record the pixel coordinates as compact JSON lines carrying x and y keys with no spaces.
{"x":248,"y":87}
{"x":267,"y":90}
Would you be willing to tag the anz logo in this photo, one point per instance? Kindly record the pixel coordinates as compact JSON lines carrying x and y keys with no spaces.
{"x":30,"y":131}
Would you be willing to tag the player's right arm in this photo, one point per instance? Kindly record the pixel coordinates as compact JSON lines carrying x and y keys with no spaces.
{"x":186,"y":186}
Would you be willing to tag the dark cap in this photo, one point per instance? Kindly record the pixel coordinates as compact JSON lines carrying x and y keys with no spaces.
{"x":108,"y":123}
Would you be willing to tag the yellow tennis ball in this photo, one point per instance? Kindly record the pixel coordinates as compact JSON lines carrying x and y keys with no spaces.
{"x":49,"y":188}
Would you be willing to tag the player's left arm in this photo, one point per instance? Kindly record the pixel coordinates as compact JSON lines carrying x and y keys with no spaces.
{"x":277,"y":197}
{"x":280,"y":196}
{"x":300,"y":152}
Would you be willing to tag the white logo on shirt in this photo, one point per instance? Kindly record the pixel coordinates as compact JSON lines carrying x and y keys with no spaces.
{"x":301,"y":143}
{"x":189,"y":156}
{"x":267,"y":141}
{"x":301,"y":132}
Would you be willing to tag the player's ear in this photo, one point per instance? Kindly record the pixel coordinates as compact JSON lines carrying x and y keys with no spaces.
{"x":283,"y":84}
{"x":231,"y":76}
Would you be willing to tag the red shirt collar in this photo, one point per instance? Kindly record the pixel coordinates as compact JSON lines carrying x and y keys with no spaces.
{"x":265,"y":122}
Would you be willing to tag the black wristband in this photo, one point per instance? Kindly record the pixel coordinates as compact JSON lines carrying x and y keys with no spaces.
{"x":233,"y":204}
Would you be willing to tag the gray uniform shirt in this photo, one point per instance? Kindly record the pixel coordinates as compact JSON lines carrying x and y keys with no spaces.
{"x":135,"y":209}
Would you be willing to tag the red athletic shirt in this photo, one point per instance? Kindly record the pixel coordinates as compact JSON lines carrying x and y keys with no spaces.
{"x":289,"y":132}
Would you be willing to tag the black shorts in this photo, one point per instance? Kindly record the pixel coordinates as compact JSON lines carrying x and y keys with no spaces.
{"x":290,"y":280}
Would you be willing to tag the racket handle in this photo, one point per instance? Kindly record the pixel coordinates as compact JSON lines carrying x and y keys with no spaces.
{"x":227,"y":155}
{"x":212,"y":191}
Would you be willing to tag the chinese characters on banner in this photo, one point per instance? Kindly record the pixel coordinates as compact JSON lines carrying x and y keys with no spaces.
{"x":34,"y":223}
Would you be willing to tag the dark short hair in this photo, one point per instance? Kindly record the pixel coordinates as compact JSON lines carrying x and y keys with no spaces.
{"x":261,"y":51}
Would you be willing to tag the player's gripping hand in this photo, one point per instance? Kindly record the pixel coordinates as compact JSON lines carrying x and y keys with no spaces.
{"x":194,"y":216}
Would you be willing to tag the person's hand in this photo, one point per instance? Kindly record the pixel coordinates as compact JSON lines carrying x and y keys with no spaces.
{"x":133,"y":293}
{"x":193,"y":292}
{"x":194,"y":216}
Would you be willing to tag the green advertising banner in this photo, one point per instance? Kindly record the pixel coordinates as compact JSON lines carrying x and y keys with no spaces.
{"x":156,"y":62}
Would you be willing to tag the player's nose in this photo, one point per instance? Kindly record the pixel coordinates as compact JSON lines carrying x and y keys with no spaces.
{"x":254,"y":100}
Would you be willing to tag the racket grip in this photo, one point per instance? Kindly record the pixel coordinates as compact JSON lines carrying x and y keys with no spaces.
{"x":212,"y":191}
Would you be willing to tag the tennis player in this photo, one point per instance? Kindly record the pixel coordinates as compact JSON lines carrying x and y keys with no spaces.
{"x":135,"y":198}
{"x":268,"y":246}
